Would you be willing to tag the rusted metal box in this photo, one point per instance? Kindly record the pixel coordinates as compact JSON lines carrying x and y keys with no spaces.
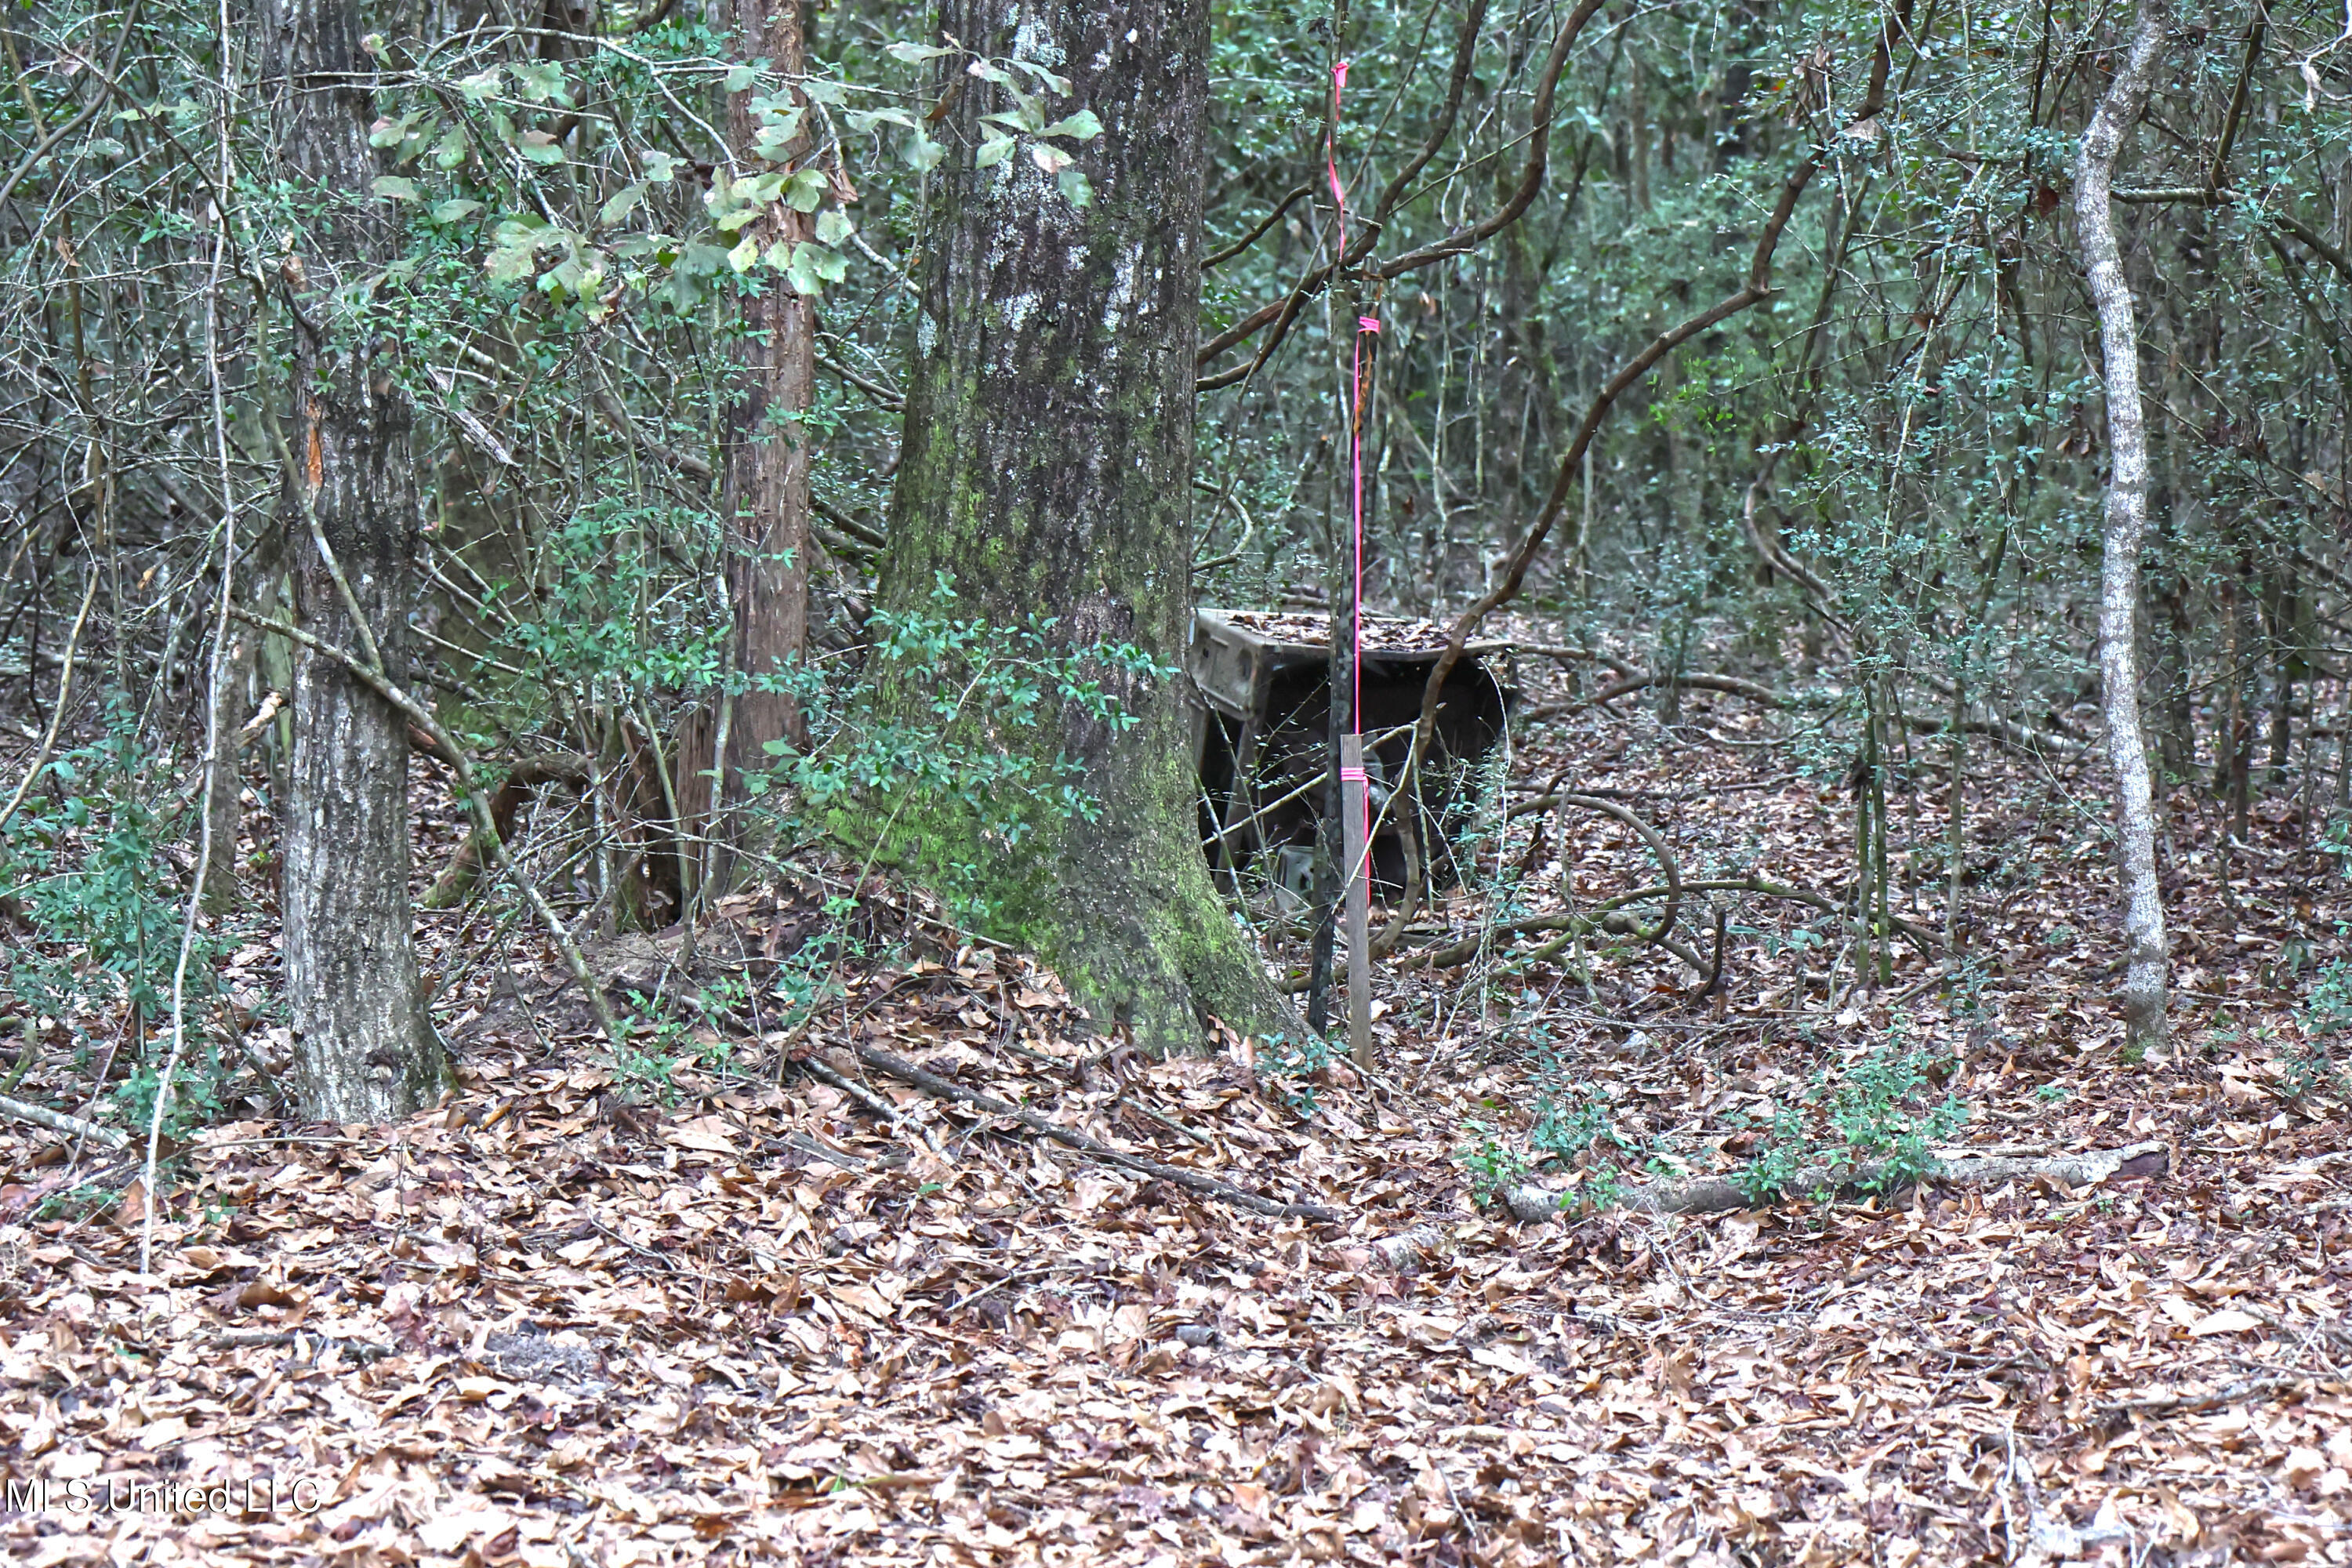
{"x":1261,"y":725}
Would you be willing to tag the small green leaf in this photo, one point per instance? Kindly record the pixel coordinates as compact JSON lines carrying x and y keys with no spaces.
{"x":660,"y":167}
{"x":388,"y":133}
{"x":1075,"y":190}
{"x":834,"y":227}
{"x":802,"y":272}
{"x":456,"y":210}
{"x":992,"y":151}
{"x":739,"y":77}
{"x":745,"y":254}
{"x":916,"y":54}
{"x":829,"y":264}
{"x":480,"y":85}
{"x":1080,"y":127}
{"x":392,"y":187}
{"x":540,"y":81}
{"x":777,"y":133}
{"x":760,"y":189}
{"x":1032,"y":113}
{"x":621,"y":204}
{"x":807,"y":190}
{"x":922,"y":154}
{"x":1051,"y":158}
{"x":862,"y":120}
{"x":451,"y":151}
{"x":538,"y":147}
{"x":1060,"y":84}
{"x":509,"y":263}
{"x":822,"y":89}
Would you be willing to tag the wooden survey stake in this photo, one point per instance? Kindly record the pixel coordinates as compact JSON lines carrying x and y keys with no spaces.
{"x":1355,"y":814}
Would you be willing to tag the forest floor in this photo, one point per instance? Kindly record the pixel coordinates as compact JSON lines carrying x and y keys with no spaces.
{"x":574,"y":1318}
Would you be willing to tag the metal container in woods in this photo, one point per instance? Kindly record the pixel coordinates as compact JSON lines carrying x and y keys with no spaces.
{"x":1261,"y":724}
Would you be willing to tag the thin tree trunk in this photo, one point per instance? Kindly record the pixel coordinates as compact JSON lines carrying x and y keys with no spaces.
{"x":764,"y":475}
{"x":2126,"y":523}
{"x":1339,"y":586}
{"x":1046,"y":471}
{"x":365,"y":1048}
{"x":222,"y":794}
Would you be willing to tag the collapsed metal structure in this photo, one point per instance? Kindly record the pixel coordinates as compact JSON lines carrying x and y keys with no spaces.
{"x":1261,"y":734}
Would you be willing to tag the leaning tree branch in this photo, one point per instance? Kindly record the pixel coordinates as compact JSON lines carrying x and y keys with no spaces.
{"x":2255,"y":24}
{"x":446,"y":747}
{"x":1531,"y":176}
{"x":1465,"y":49}
{"x":1217,"y":259}
{"x":1283,"y":313}
{"x":1757,"y":288}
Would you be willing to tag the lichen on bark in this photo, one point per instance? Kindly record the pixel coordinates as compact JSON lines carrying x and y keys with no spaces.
{"x":2126,"y":524}
{"x":365,"y":1050}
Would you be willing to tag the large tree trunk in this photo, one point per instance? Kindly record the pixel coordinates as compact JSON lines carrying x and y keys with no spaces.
{"x":1047,"y":472}
{"x":763,"y":496}
{"x":2144,"y":938}
{"x":365,"y":1048}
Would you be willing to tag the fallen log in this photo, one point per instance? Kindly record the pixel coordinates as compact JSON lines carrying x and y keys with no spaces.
{"x":1718,"y":1194}
{"x":1209,"y":1186}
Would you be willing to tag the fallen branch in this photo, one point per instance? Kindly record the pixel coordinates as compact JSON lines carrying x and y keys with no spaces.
{"x":308,"y":1345}
{"x":60,"y":1121}
{"x":2192,"y":1404}
{"x":1608,"y":918}
{"x":1403,"y":1252}
{"x":931,"y":1083}
{"x":852,"y":1088}
{"x":1956,"y":1167}
{"x":456,"y":883}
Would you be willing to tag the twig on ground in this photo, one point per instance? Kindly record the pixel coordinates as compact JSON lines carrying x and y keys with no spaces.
{"x":1206,"y":1186}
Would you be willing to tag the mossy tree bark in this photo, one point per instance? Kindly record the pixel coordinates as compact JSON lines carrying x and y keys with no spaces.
{"x":365,"y":1051}
{"x":1047,"y":471}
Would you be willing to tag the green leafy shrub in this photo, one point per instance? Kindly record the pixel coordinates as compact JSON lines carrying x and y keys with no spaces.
{"x":1870,"y":1125}
{"x":1494,"y":1165}
{"x":85,"y":865}
{"x":1288,"y":1069}
{"x":917,"y":751}
{"x":2316,"y":1064}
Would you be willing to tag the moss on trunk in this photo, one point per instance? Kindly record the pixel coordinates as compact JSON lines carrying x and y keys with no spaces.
{"x":1047,"y":472}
